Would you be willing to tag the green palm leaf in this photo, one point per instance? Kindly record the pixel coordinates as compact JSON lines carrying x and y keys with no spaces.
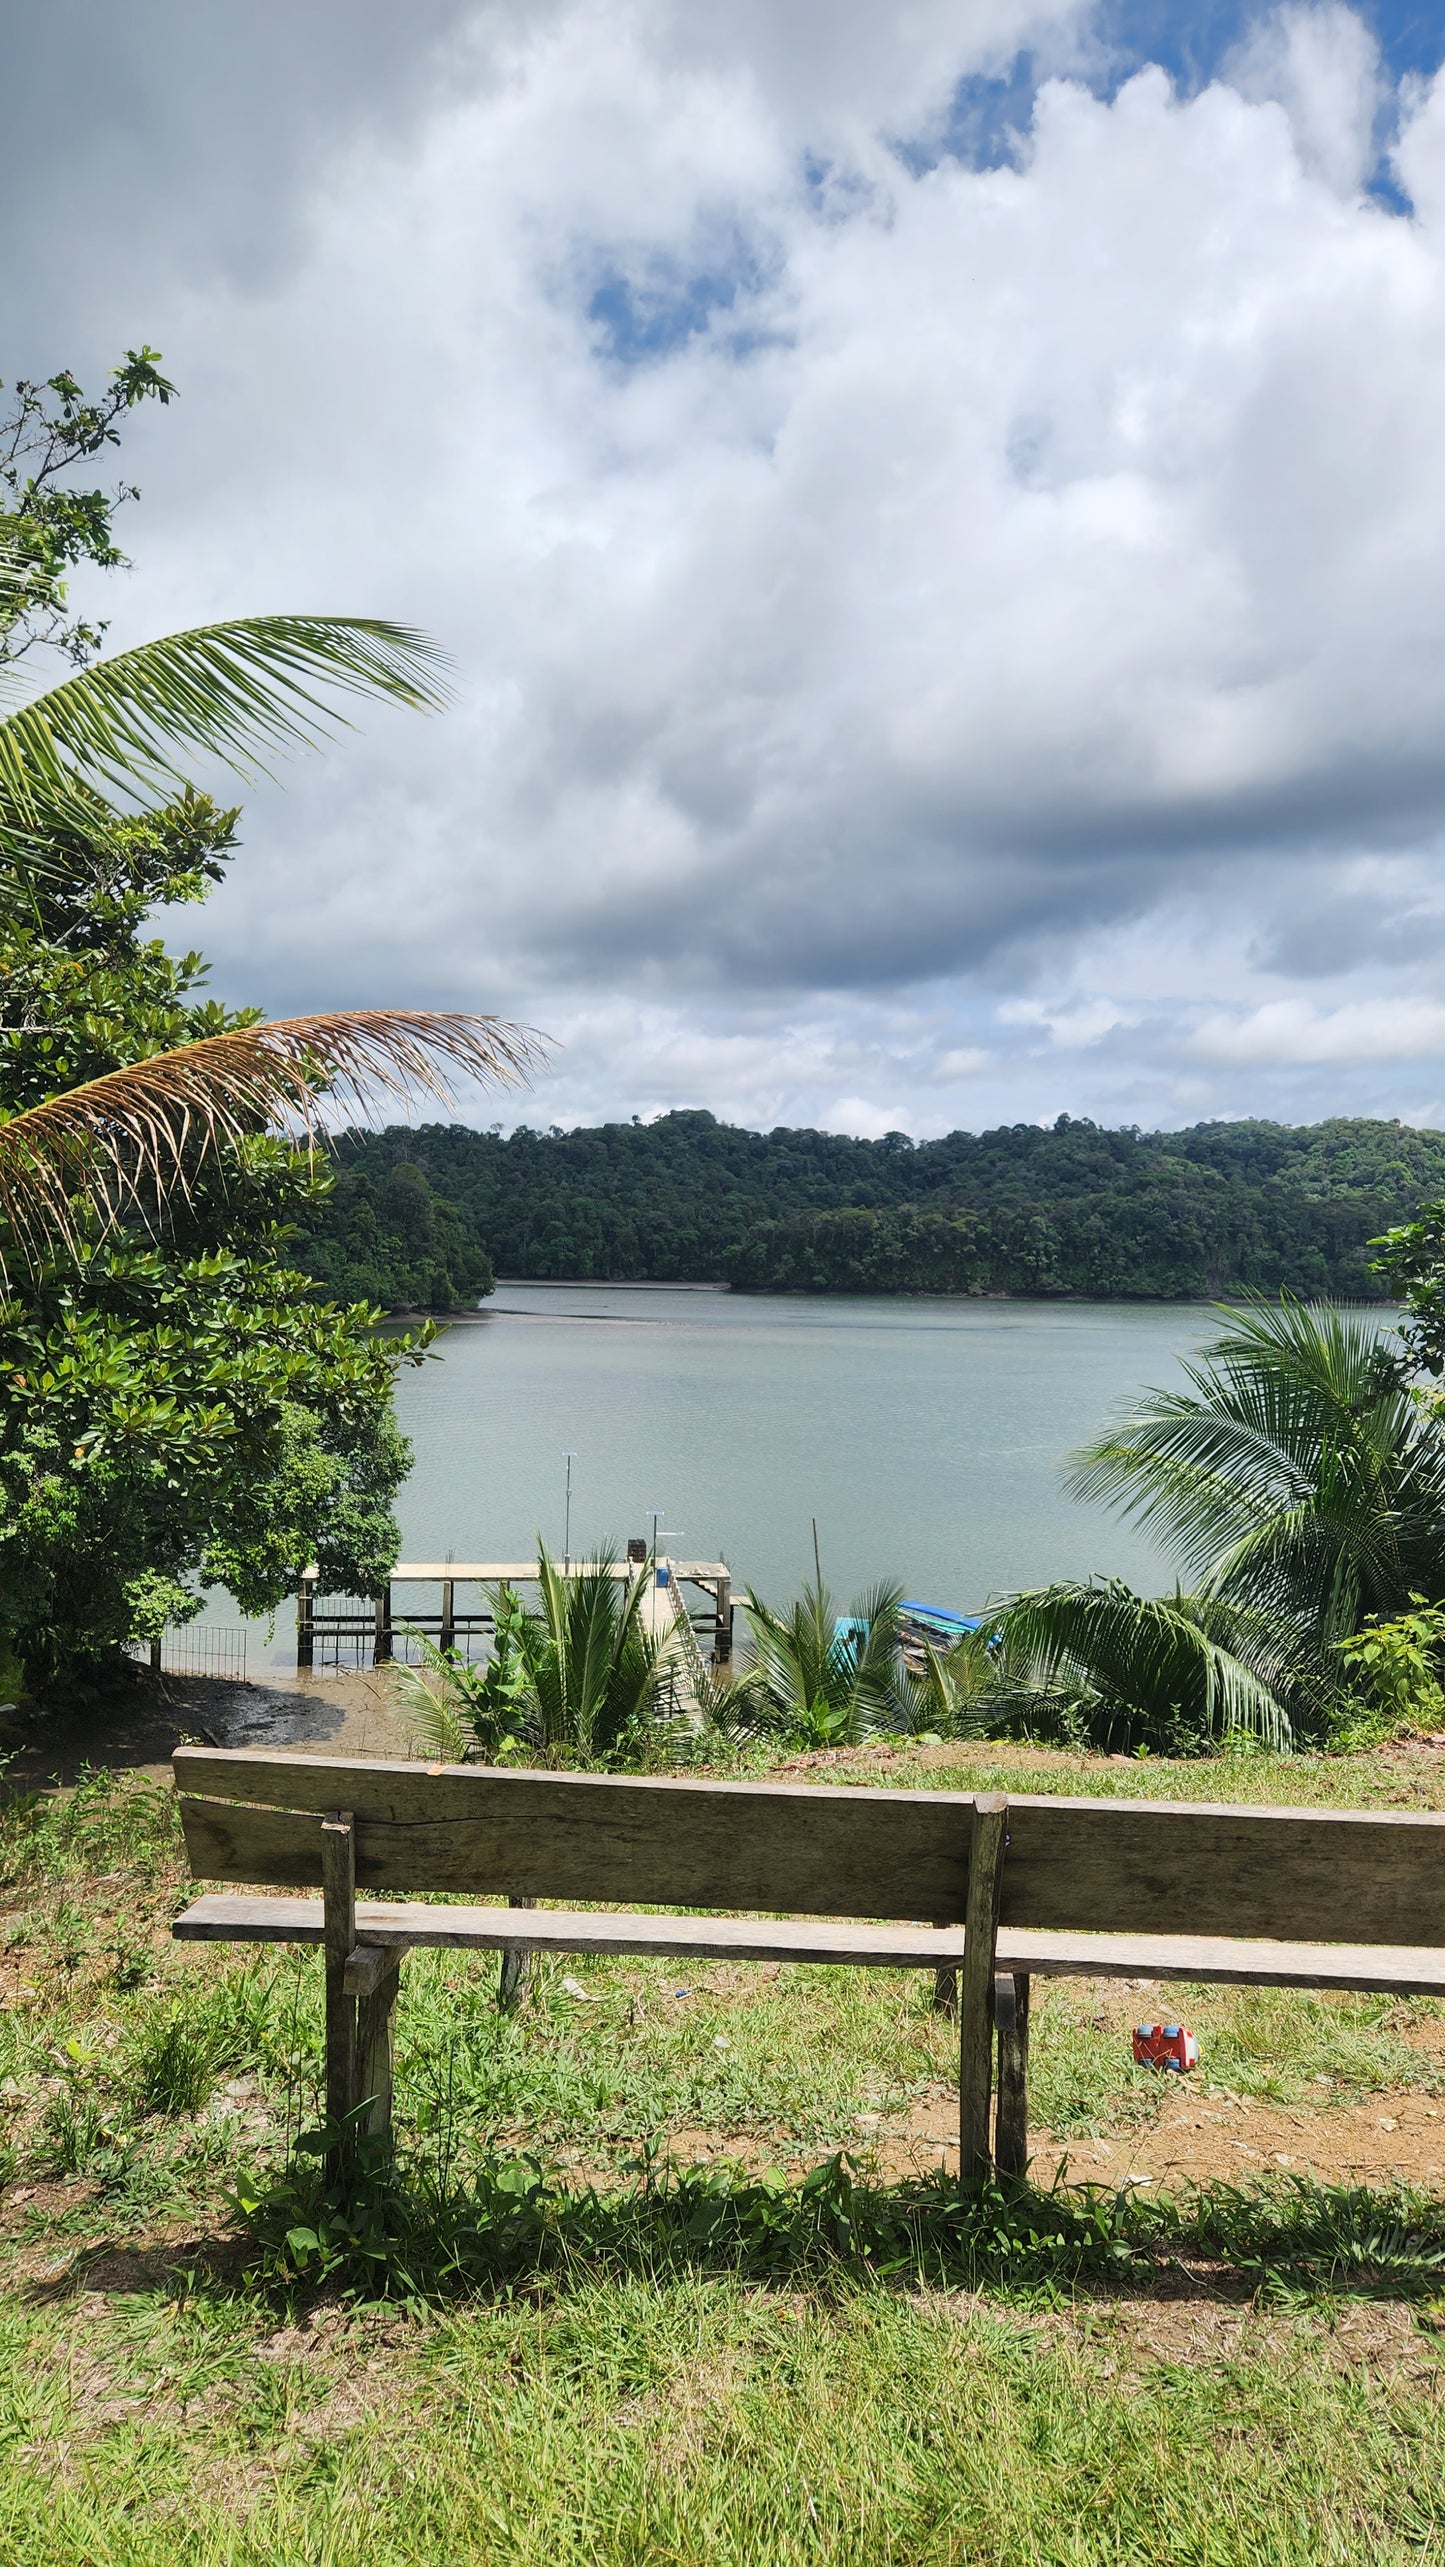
{"x":809,"y":1678}
{"x":1160,"y":1657}
{"x":1296,"y":1473}
{"x":238,"y":691}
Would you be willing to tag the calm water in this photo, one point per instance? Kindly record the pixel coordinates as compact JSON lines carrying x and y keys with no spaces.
{"x":926,"y":1436}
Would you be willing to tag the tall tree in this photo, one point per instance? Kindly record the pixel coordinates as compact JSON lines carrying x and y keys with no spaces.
{"x":177,"y":1405}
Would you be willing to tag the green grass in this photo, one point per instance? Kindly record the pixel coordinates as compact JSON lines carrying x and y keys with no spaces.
{"x":702,"y":2421}
{"x":540,"y":2342}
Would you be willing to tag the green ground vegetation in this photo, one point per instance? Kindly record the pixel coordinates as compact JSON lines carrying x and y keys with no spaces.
{"x":1220,"y":1209}
{"x":642,"y":2288}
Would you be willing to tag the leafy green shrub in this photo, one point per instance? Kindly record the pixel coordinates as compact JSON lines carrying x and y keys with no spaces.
{"x":579,"y":1678}
{"x":1397,"y":1664}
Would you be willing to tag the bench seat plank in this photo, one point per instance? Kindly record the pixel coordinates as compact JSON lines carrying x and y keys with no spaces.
{"x":231,"y":1917}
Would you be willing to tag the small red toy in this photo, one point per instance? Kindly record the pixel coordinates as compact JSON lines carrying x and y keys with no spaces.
{"x":1165,"y":2045}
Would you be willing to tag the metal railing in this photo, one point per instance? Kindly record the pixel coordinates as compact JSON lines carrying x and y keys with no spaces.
{"x":195,"y":1649}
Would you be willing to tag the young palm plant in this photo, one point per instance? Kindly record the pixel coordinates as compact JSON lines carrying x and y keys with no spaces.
{"x":579,"y":1680}
{"x":1297,"y":1476}
{"x":821,"y":1679}
{"x":1180,"y":1670}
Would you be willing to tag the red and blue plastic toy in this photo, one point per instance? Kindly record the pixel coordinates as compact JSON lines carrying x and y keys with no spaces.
{"x":1165,"y":2045}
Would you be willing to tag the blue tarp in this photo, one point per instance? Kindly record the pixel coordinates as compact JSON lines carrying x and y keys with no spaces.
{"x":941,"y":1614}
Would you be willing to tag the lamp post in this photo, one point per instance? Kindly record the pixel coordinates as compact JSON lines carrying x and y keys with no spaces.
{"x":569,"y":1459}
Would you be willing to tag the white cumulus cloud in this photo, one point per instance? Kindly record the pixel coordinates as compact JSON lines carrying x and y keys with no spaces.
{"x":874,"y":582}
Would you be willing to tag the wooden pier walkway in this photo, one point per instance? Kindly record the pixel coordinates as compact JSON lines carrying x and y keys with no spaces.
{"x":323,"y":1618}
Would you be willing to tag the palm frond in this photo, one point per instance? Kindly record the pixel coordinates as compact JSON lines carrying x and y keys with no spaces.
{"x":811,"y":1675}
{"x":239,"y":691}
{"x":144,"y":1128}
{"x":1157,"y":1656}
{"x":1296,"y":1472}
{"x":437,"y":1726}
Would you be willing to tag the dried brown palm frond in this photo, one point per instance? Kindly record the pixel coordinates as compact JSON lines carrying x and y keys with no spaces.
{"x":139,"y":1133}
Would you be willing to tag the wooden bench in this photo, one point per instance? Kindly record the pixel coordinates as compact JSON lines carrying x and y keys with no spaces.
{"x":1002,"y":1890}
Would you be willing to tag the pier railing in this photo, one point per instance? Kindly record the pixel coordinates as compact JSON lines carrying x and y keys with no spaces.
{"x":377,"y":1628}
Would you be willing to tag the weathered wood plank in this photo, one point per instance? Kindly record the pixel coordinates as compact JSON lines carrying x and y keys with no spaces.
{"x":1091,"y":1865}
{"x":369,"y":1964}
{"x":812,"y":1853}
{"x":975,"y":1985}
{"x":338,"y":1881}
{"x":231,"y":1917}
{"x":1124,"y":1867}
{"x":516,"y":1572}
{"x":516,"y":1968}
{"x":375,"y":2019}
{"x":1011,"y":2025}
{"x":1408,"y":1970}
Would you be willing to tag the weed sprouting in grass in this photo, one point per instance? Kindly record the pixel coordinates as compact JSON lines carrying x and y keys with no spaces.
{"x":70,"y":1936}
{"x":173,"y":2059}
{"x":79,"y":2135}
{"x":132,"y":1962}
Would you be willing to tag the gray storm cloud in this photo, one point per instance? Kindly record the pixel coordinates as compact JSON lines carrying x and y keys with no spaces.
{"x":910,"y":620}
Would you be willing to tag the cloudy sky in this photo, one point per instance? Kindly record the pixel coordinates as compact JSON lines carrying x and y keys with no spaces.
{"x":937,"y":514}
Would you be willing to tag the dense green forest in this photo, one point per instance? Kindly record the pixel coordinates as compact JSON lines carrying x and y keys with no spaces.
{"x":420,"y":1218}
{"x":383,"y":1235}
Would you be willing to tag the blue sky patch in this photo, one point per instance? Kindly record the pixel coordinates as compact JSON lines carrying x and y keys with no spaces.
{"x":1192,"y":43}
{"x":644,"y":313}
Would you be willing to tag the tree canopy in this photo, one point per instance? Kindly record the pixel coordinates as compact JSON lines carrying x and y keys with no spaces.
{"x":1223,"y":1208}
{"x":178,"y":1407}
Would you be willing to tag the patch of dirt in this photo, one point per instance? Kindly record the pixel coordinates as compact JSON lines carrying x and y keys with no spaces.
{"x":136,"y":1724}
{"x":1206,"y":2315}
{"x":1200,"y":2137}
{"x":1407,"y":1773}
{"x":1201,"y":2326}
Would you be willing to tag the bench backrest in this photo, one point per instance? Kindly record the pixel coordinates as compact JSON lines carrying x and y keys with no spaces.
{"x":1108,"y":1866}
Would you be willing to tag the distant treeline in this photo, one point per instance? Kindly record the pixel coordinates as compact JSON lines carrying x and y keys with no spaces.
{"x":422,"y":1218}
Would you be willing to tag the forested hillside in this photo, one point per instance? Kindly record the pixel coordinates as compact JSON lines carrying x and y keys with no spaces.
{"x":383,"y":1236}
{"x":421,"y":1217}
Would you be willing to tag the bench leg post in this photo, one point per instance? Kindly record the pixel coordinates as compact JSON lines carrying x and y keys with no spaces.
{"x":338,"y":1884}
{"x":945,"y":1989}
{"x":382,"y":1645}
{"x":1011,"y":2022}
{"x":975,"y":1992}
{"x":375,"y":2016}
{"x":515,"y":1971}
